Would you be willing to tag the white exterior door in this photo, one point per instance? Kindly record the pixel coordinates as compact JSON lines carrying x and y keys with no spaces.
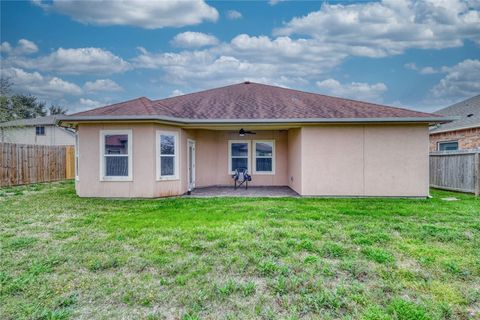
{"x":191,"y":164}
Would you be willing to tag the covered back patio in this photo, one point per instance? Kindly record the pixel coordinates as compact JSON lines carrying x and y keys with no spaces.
{"x":225,"y":191}
{"x":214,"y":153}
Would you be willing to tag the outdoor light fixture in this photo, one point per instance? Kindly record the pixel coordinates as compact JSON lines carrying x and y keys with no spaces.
{"x":242,"y":132}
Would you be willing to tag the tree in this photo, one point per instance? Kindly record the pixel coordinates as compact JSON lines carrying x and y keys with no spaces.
{"x":5,"y":86}
{"x":18,"y":106}
{"x":57,"y":110}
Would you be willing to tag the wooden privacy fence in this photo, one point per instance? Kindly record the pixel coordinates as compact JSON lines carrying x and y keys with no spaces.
{"x":456,"y":170}
{"x":25,"y":164}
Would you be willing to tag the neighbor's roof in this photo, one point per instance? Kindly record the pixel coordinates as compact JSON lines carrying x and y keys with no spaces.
{"x":252,"y":103}
{"x":468,"y":111}
{"x":41,"y":121}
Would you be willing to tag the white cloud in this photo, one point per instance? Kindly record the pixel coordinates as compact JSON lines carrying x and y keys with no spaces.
{"x":39,"y":85}
{"x":423,"y":70}
{"x":23,"y":47}
{"x":176,"y":92}
{"x":141,"y":13}
{"x":332,"y":34}
{"x":461,"y":81}
{"x":5,"y":47}
{"x":102,"y":85}
{"x":26,"y":46}
{"x":389,"y":27}
{"x":289,"y":59}
{"x":85,"y":103}
{"x":354,"y":90}
{"x":74,"y":61}
{"x":411,"y":66}
{"x":281,"y":61}
{"x":233,"y":14}
{"x":191,"y":39}
{"x":428,"y":70}
{"x":215,"y":67}
{"x":275,"y":2}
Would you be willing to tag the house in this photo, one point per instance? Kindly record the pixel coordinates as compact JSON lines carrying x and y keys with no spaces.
{"x":460,"y":134}
{"x":315,"y":144}
{"x":40,"y":131}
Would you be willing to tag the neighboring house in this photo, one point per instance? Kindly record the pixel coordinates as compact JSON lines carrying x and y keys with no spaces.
{"x":40,"y":131}
{"x":315,"y":144}
{"x":460,"y":134}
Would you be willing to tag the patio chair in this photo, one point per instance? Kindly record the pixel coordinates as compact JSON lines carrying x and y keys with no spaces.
{"x":241,"y":176}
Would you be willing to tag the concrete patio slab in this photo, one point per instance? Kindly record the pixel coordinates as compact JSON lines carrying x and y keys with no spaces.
{"x":269,"y":192}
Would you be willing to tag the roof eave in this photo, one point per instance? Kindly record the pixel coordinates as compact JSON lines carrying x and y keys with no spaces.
{"x":455,"y":129}
{"x":5,"y":125}
{"x":186,"y":121}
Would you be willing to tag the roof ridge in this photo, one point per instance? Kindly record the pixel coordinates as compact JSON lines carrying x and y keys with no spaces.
{"x":190,"y":93}
{"x":147,"y":103}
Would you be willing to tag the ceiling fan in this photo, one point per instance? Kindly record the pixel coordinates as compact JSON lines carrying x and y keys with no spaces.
{"x":242,"y":132}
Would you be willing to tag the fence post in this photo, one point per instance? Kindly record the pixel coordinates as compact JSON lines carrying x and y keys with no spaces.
{"x":477,"y":174}
{"x":69,"y":162}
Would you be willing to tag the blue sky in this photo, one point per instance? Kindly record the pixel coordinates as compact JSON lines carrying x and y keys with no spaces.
{"x":420,"y":54}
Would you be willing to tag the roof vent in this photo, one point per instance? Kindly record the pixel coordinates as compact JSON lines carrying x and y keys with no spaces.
{"x":247,"y":82}
{"x":469,"y":115}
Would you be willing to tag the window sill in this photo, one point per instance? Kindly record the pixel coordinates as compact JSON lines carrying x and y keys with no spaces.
{"x":167,"y":179}
{"x":116,"y":179}
{"x":264,"y":173}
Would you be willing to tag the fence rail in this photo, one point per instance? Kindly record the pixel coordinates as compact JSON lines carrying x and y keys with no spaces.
{"x":25,"y":164}
{"x":456,"y":170}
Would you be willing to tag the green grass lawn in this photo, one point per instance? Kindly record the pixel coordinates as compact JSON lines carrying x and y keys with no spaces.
{"x":65,"y":257}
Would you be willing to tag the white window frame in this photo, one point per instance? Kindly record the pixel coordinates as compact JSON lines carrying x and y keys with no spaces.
{"x":77,"y":156}
{"x":254,"y":153}
{"x":448,"y":141}
{"x":176,"y":156}
{"x":249,"y":154}
{"x":104,"y":133}
{"x":44,"y":131}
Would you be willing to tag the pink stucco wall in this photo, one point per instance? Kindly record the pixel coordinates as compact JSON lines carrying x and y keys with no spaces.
{"x":212,"y":157}
{"x":328,"y":160}
{"x":396,"y":160}
{"x":211,"y":161}
{"x":365,"y":160}
{"x":144,"y":182}
{"x":295,"y":159}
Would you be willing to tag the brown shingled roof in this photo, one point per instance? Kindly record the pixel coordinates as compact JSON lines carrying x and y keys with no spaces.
{"x":249,"y":100}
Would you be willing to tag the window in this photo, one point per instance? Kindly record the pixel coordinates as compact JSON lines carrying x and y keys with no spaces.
{"x":167,"y":155}
{"x":116,"y":155}
{"x":40,"y":131}
{"x":239,"y":151}
{"x":264,"y":157}
{"x":77,"y":154}
{"x":448,"y":145}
